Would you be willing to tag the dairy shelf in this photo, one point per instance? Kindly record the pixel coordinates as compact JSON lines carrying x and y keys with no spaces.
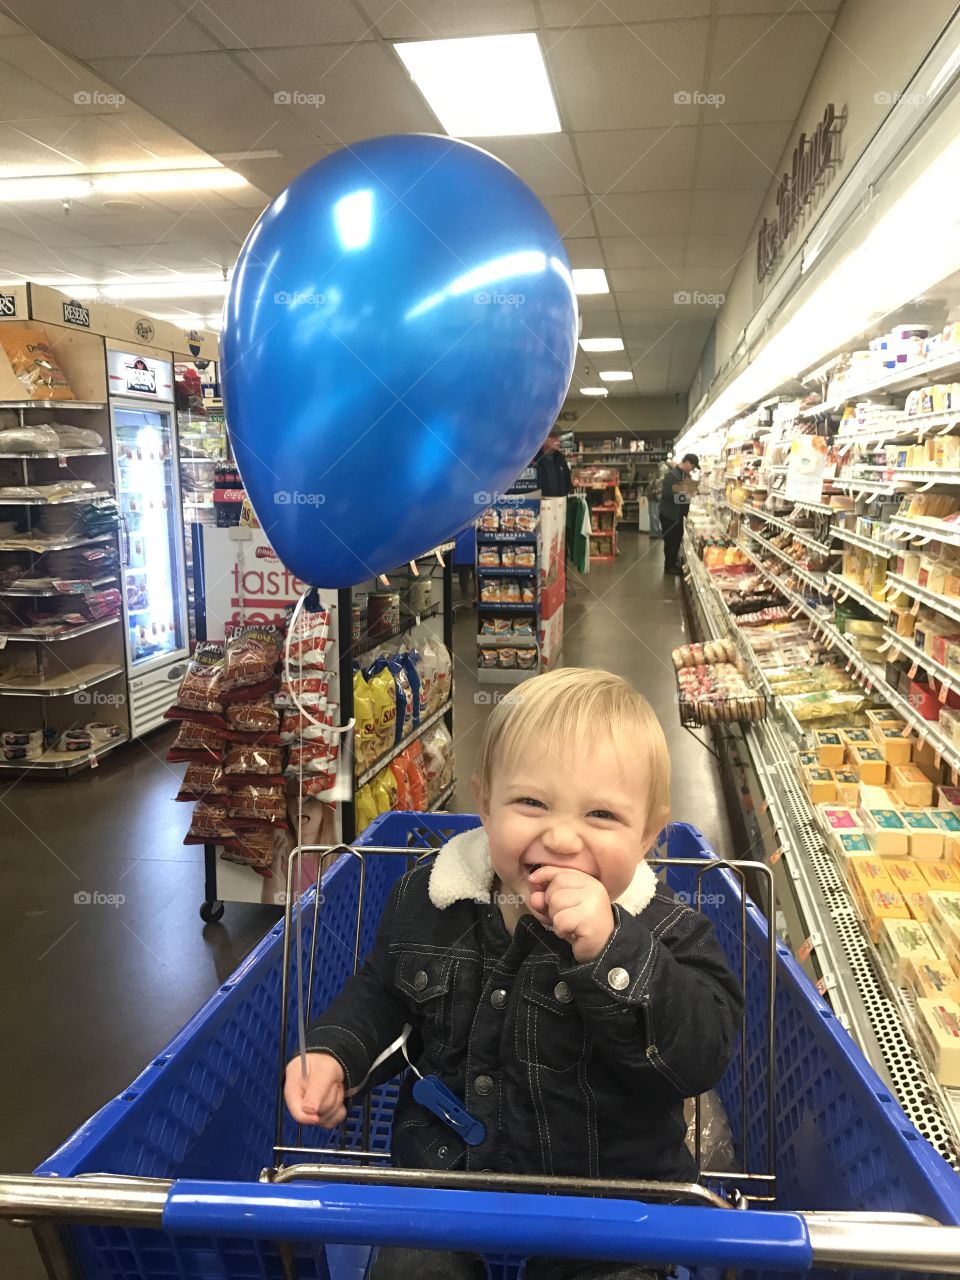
{"x":942,"y":604}
{"x":26,"y":456}
{"x":921,"y":530}
{"x":846,"y":586}
{"x":865,"y":544}
{"x":94,"y":495}
{"x":902,"y":378}
{"x":801,"y":535}
{"x":816,"y":583}
{"x":928,"y":475}
{"x":930,"y":665}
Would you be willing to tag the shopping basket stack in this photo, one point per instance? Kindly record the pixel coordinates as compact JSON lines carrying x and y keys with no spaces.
{"x":183,"y":1149}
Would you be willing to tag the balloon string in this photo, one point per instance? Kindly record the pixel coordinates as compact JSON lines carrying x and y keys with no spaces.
{"x":298,"y":609}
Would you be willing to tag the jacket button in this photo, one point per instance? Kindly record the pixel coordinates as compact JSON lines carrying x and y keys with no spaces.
{"x":420,"y":980}
{"x":483,"y":1085}
{"x":562,"y":993}
{"x":498,"y":998}
{"x":442,"y":1153}
{"x":618,"y":979}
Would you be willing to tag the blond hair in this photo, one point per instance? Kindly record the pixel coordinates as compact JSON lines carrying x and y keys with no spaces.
{"x":556,"y":708}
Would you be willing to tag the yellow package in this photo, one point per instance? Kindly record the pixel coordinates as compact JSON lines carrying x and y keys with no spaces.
{"x":365,"y":808}
{"x":381,"y":797}
{"x":383,"y":690}
{"x":34,"y":363}
{"x":388,"y":781}
{"x":365,"y":714}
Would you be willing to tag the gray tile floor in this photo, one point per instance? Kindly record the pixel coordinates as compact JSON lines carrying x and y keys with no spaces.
{"x":91,"y":993}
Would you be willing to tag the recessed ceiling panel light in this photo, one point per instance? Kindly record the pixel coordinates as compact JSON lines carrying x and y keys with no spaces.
{"x":590,"y":280}
{"x":594,"y":391}
{"x":601,"y":344}
{"x":484,"y":86}
{"x":616,"y":375}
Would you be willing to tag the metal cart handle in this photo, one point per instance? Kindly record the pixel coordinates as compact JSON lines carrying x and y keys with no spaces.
{"x":492,"y":1222}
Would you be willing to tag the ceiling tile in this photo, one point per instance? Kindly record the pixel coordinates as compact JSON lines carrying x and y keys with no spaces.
{"x":777,"y":6}
{"x":644,"y":251}
{"x":23,"y":98}
{"x":585,"y":253}
{"x":601,"y":324}
{"x":638,"y":159}
{"x":625,"y":74}
{"x":545,"y":162}
{"x":644,"y":213}
{"x":251,"y":24}
{"x":85,"y":143}
{"x":763,"y":65}
{"x":111,"y":28}
{"x":640,"y":279}
{"x":60,"y":73}
{"x":726,"y":213}
{"x":445,"y":19}
{"x":179,"y":90}
{"x":713,"y":251}
{"x":272,"y":175}
{"x":571,"y":215}
{"x":593,"y":303}
{"x":158,"y":140}
{"x":574,"y":13}
{"x":740,"y":156}
{"x":342,"y":77}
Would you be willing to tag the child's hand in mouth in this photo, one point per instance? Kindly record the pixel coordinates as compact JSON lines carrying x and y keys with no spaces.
{"x":574,"y":904}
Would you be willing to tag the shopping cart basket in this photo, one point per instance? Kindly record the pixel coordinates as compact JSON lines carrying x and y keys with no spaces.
{"x":168,"y":1180}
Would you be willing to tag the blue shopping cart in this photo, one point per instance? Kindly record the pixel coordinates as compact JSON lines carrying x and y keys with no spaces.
{"x":195,"y":1172}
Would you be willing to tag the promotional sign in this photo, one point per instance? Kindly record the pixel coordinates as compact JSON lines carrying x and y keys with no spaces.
{"x":245,"y":581}
{"x":139,"y":377}
{"x":808,"y":458}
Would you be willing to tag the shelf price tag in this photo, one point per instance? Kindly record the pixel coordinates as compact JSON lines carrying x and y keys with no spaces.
{"x":944,"y":693}
{"x":915,"y":607}
{"x":807,"y":947}
{"x":763,"y":806}
{"x":776,"y":856}
{"x":94,"y":762}
{"x":936,"y":759}
{"x":906,"y":731}
{"x":954,"y":775}
{"x":62,"y":460}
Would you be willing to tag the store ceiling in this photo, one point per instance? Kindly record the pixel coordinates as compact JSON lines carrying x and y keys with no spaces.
{"x":661,"y":193}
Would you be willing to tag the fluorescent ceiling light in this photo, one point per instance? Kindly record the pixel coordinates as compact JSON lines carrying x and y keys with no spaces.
{"x":484,"y":86}
{"x":53,"y":188}
{"x":616,"y":375}
{"x":594,"y":391}
{"x":185,"y":287}
{"x":590,"y":280}
{"x":601,"y":344}
{"x":79,"y":186}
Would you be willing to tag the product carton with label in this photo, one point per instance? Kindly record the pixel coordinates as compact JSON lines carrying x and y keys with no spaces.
{"x":905,"y":875}
{"x":926,"y":838}
{"x":838,"y":818}
{"x":900,"y":941}
{"x":821,"y":785}
{"x":830,"y":748}
{"x":931,"y":979}
{"x":912,"y":785}
{"x":869,"y":764}
{"x":883,"y":904}
{"x":941,"y":875}
{"x":848,"y":787}
{"x":938,"y":1031}
{"x":887,"y":832}
{"x":895,"y":747}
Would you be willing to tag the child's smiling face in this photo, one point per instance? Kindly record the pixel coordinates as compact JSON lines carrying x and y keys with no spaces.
{"x":583,"y":806}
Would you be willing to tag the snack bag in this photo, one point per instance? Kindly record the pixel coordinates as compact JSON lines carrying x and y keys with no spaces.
{"x":416,"y":773}
{"x":381,"y":796}
{"x":309,"y":690}
{"x":252,"y":760}
{"x":428,"y":675}
{"x":202,"y":781}
{"x":388,"y":781}
{"x":383,"y":689}
{"x":438,"y":754}
{"x":250,"y":663}
{"x":444,"y":675}
{"x":196,"y":742}
{"x":365,"y":733}
{"x":253,"y":805}
{"x":261,"y":718}
{"x":398,"y":669}
{"x":412,"y":660}
{"x":210,"y":823}
{"x":198,"y":697}
{"x":365,"y":808}
{"x":34,"y":364}
{"x":310,"y":639}
{"x":398,"y":768}
{"x":253,"y":849}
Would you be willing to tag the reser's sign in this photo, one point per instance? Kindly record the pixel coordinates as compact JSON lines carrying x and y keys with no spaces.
{"x":812,"y":157}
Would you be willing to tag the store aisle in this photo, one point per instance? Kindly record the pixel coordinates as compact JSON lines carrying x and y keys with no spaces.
{"x":626,"y":617}
{"x":96,"y":989}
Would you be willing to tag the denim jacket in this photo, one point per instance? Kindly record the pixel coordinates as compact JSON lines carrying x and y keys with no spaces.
{"x":573,"y":1068}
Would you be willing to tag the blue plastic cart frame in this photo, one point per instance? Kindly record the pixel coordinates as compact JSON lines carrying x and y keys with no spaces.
{"x":177,"y":1158}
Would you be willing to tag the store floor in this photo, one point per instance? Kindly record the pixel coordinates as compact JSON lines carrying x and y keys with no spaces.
{"x":93,"y":991}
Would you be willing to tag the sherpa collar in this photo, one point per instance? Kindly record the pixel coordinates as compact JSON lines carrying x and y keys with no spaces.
{"x":463,"y":870}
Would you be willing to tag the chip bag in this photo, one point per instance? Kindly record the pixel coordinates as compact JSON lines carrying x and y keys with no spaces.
{"x":365,"y":714}
{"x":365,"y":808}
{"x":398,"y":768}
{"x":416,"y":775}
{"x":381,"y":796}
{"x":34,"y":365}
{"x":389,"y":782}
{"x":383,"y":689}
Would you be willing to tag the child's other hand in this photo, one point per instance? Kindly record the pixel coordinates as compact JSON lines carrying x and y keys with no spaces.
{"x":316,"y":1098}
{"x":575,"y":906}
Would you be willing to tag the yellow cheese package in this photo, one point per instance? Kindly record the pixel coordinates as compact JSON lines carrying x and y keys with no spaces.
{"x":34,"y":363}
{"x":941,"y":875}
{"x":905,"y":874}
{"x":820,"y":784}
{"x":869,"y":764}
{"x":901,"y":941}
{"x":829,"y":748}
{"x":912,"y":785}
{"x":886,"y":830}
{"x":917,"y":903}
{"x":365,"y":733}
{"x":895,"y":747}
{"x":932,"y":979}
{"x":926,"y":839}
{"x":938,"y":1031}
{"x":883,"y":904}
{"x":848,"y":787}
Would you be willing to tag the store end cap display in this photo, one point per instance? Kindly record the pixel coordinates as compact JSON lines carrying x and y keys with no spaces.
{"x":399,"y":336}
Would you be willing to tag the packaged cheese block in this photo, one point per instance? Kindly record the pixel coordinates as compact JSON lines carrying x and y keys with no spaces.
{"x":863,"y":627}
{"x":946,"y":821}
{"x":882,"y":715}
{"x":906,"y":875}
{"x":951,"y":848}
{"x":865,"y":874}
{"x":938,"y":1031}
{"x":948,"y":798}
{"x":830,"y":748}
{"x":837,"y":818}
{"x":917,"y":902}
{"x":878,"y":798}
{"x":857,"y":738}
{"x":941,"y":875}
{"x":899,"y":942}
{"x":931,"y":979}
{"x":943,"y":917}
{"x":848,"y":787}
{"x":926,"y":840}
{"x":895,"y":747}
{"x":820,"y":784}
{"x":850,"y":845}
{"x":912,"y":785}
{"x":883,"y":904}
{"x":808,"y":758}
{"x":870,"y":764}
{"x":887,"y":833}
{"x":932,"y":939}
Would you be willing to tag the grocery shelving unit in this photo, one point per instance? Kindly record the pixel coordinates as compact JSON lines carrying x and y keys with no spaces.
{"x":818,"y":917}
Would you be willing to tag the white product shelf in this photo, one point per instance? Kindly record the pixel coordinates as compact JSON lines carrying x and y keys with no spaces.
{"x":843,"y":586}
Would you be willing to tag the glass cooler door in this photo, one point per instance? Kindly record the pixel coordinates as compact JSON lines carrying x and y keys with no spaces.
{"x":149,"y":497}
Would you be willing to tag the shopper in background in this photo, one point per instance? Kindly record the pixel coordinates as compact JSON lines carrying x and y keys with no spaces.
{"x":553,"y":474}
{"x":553,"y":984}
{"x":654,"y":490}
{"x":674,"y":504}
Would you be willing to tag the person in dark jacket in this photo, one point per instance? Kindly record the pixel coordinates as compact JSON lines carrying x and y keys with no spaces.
{"x":567,"y":998}
{"x":674,"y":505}
{"x":553,"y":474}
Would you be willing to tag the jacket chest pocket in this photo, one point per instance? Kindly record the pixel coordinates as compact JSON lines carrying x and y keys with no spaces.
{"x":550,"y":1032}
{"x":428,"y":984}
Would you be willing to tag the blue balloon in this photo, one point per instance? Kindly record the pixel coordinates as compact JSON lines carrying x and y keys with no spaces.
{"x":398,"y":338}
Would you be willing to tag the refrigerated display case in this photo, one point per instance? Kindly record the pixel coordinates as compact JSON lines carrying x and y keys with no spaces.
{"x":148,"y":493}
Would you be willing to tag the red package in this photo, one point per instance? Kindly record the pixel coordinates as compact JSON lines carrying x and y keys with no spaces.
{"x":310,"y":691}
{"x":254,"y":849}
{"x":203,"y":780}
{"x":416,"y":775}
{"x":313,"y":757}
{"x":196,"y":742}
{"x":198,"y":697}
{"x":318,"y":784}
{"x":245,"y":760}
{"x":210,"y":824}
{"x":310,"y":638}
{"x":252,"y":806}
{"x":250,"y":662}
